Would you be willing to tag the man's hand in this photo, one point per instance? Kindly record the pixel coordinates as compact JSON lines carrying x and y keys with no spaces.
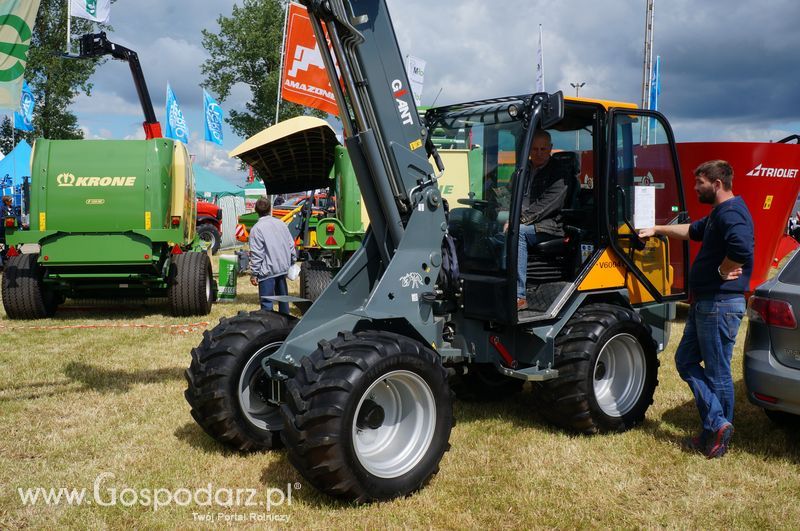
{"x":647,"y":233}
{"x":733,"y":274}
{"x":254,"y":281}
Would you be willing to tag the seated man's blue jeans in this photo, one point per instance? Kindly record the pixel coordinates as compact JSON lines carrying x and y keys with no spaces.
{"x":527,"y":238}
{"x":709,"y":337}
{"x":273,"y":286}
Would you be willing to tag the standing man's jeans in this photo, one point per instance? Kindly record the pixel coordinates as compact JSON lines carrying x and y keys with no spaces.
{"x":273,"y":286}
{"x":709,"y":337}
{"x":527,"y":238}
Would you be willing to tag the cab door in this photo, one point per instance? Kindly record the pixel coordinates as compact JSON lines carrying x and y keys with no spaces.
{"x":645,"y":188}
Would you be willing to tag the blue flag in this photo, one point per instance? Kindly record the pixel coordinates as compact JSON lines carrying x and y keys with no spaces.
{"x":213,"y":113}
{"x":655,"y":84}
{"x":23,"y":118}
{"x":176,"y":124}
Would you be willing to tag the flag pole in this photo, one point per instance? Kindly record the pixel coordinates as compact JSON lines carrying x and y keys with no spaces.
{"x":69,"y":21}
{"x":280,"y":68}
{"x":540,"y":69}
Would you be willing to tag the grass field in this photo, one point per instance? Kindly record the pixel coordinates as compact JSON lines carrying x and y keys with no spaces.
{"x":103,"y":407}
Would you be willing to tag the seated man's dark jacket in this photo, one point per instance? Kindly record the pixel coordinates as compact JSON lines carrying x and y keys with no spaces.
{"x":541,"y":206}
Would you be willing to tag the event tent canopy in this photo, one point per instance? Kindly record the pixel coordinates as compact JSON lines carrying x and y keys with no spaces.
{"x":17,"y":164}
{"x":209,"y":184}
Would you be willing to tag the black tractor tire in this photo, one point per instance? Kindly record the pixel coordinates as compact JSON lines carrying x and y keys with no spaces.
{"x":227,"y":386}
{"x":209,"y":233}
{"x":191,"y":284}
{"x":24,"y":294}
{"x":368,"y":416}
{"x":482,"y":383}
{"x":314,"y":278}
{"x":608,"y":371}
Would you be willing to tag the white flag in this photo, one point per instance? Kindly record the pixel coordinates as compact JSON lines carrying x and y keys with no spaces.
{"x":415,"y":68}
{"x":540,"y":65}
{"x":97,"y":10}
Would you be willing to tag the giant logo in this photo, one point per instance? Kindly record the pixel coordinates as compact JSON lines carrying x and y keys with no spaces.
{"x":69,"y":179}
{"x":402,"y":105}
{"x":18,"y":49}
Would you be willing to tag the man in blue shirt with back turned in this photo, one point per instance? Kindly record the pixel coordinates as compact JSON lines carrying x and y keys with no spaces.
{"x":718,"y":279}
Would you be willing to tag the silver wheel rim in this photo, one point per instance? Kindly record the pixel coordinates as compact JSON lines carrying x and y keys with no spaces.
{"x":619,"y":374}
{"x":251,"y":388}
{"x":409,"y":421}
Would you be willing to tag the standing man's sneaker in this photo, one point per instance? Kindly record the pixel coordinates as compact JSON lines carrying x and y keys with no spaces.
{"x":522,"y":304}
{"x":719,"y":444}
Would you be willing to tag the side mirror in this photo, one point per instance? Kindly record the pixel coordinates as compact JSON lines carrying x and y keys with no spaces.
{"x":552,"y":109}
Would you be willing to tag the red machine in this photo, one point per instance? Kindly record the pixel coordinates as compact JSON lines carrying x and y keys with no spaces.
{"x":766,"y":176}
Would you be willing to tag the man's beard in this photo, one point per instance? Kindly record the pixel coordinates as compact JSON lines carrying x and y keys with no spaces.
{"x":707,"y":197}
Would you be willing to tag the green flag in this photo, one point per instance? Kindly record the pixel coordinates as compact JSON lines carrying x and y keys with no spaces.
{"x":16,"y":28}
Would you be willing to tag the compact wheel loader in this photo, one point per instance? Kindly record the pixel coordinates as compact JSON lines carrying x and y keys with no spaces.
{"x":359,"y":389}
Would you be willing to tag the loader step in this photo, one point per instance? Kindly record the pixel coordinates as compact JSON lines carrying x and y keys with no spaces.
{"x":530,"y":374}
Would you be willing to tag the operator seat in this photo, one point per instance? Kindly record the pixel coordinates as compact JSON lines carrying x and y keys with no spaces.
{"x":556,"y":258}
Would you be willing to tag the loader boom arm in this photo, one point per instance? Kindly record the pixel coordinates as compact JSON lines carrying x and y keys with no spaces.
{"x":97,"y":45}
{"x":383,"y":134}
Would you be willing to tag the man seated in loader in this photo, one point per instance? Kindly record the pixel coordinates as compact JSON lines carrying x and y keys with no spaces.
{"x":545,"y":193}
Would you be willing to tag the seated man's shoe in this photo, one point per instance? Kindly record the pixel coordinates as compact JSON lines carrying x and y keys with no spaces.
{"x":718,"y":444}
{"x":522,"y":304}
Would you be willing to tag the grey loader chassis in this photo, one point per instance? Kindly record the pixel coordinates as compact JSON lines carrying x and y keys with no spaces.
{"x":358,"y":389}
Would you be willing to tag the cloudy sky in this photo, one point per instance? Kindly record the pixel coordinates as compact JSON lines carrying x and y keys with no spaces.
{"x":729,"y":69}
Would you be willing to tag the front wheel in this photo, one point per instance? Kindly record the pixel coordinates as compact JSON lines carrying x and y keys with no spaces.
{"x":368,"y":416}
{"x":228,"y":390}
{"x":608,"y":371}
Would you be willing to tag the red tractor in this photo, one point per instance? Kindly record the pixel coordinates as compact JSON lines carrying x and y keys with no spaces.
{"x":209,"y":224}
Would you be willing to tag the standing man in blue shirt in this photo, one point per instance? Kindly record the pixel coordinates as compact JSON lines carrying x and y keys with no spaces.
{"x":718,"y":279}
{"x":272,"y":252}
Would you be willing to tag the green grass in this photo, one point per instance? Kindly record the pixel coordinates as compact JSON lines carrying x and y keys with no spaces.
{"x":79,"y":402}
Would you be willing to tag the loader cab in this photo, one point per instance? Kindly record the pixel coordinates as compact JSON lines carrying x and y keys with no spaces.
{"x":604,"y":152}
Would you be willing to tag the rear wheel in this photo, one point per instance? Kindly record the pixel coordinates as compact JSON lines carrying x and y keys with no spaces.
{"x":368,"y":416}
{"x":24,"y":293}
{"x":191,"y":284}
{"x":608,"y":371}
{"x":314,"y":278}
{"x":209,"y":233}
{"x":228,"y":389}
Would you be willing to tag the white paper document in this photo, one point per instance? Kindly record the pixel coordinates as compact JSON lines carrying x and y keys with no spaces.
{"x":644,"y":207}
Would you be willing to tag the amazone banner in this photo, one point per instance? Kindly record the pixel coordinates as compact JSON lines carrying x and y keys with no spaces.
{"x":16,"y":29}
{"x":304,"y":78}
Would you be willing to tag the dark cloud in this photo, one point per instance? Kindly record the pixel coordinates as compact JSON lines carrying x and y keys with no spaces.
{"x":728,"y":68}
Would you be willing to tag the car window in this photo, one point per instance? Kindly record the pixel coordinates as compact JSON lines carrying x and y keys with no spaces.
{"x":791,"y":271}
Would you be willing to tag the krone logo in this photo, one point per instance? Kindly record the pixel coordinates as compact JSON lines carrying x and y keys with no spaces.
{"x":17,"y":49}
{"x":65,"y":179}
{"x":68,"y":179}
